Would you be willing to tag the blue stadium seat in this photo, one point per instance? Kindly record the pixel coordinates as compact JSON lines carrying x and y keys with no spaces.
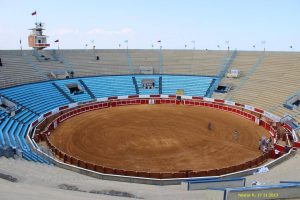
{"x":17,"y":132}
{"x":11,"y":134}
{"x":5,"y":131}
{"x":40,"y":97}
{"x":2,"y":126}
{"x":192,"y":85}
{"x":110,"y":86}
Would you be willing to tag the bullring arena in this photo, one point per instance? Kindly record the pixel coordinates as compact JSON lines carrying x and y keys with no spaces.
{"x":154,"y":139}
{"x":156,"y":129}
{"x":159,"y":138}
{"x":124,"y":122}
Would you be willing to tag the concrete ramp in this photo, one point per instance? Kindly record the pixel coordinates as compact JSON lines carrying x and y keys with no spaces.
{"x":203,"y":184}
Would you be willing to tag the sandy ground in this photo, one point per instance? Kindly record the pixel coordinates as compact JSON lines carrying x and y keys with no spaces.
{"x":159,"y":138}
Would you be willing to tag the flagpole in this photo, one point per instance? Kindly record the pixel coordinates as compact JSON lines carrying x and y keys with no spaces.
{"x":21,"y":45}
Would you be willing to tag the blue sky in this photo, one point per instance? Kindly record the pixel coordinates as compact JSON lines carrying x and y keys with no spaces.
{"x":243,"y":23}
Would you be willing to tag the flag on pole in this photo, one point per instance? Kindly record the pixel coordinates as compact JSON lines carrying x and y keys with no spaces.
{"x":56,"y":41}
{"x":34,"y":13}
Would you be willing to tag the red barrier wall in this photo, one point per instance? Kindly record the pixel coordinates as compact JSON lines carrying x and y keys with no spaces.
{"x":195,"y":101}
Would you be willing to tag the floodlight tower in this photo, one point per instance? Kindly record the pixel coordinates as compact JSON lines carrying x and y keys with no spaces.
{"x":37,"y":40}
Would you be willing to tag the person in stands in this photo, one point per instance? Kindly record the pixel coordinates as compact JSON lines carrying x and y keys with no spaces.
{"x":264,"y":149}
{"x":277,"y":153}
{"x":259,"y":144}
{"x":286,"y":149}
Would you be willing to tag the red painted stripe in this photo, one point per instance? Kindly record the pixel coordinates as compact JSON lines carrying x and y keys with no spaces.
{"x":279,"y":147}
{"x":219,"y":101}
{"x":63,"y":107}
{"x":47,"y":114}
{"x":197,"y":98}
{"x":133,"y":96}
{"x":110,"y":98}
{"x":238,"y":104}
{"x":288,"y":127}
{"x":258,"y":110}
{"x":155,"y":95}
{"x":297,"y":144}
{"x":35,"y":123}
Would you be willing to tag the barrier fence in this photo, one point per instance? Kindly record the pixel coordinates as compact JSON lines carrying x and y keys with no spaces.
{"x":66,"y":112}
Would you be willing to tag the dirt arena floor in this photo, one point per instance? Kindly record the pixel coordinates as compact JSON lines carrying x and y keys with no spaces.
{"x":159,"y":138}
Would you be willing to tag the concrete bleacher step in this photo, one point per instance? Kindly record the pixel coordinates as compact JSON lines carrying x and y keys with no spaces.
{"x":271,"y":84}
{"x":16,"y":71}
{"x":54,"y":55}
{"x":217,"y":95}
{"x":34,"y":66}
{"x":247,"y":76}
